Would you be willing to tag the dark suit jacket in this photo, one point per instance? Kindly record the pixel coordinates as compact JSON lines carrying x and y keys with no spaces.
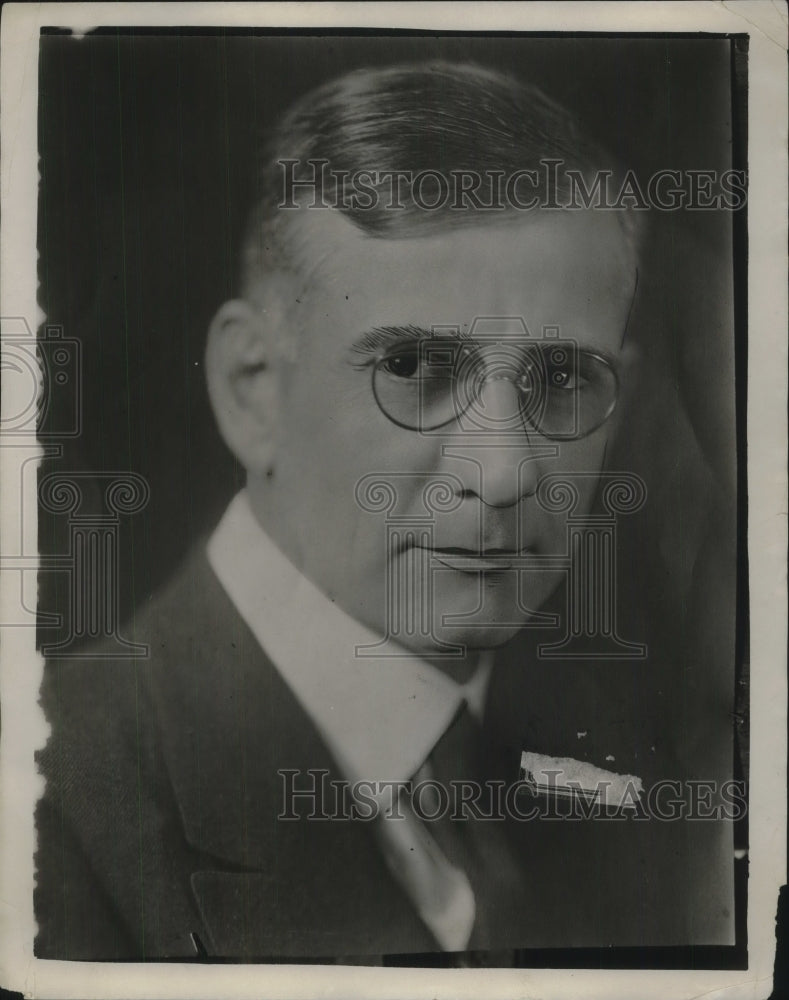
{"x":159,"y":835}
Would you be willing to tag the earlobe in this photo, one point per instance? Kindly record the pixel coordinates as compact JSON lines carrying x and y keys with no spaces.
{"x":241,"y":378}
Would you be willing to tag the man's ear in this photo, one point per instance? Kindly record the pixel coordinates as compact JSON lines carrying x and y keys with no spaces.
{"x":241,"y":374}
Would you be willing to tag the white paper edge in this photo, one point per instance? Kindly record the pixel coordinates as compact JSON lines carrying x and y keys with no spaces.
{"x":23,"y":728}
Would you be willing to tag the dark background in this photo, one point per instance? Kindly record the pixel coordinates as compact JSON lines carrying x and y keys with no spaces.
{"x":147,"y":171}
{"x":147,"y":164}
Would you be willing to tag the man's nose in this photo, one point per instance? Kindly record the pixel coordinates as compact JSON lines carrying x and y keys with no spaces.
{"x":503,"y":454}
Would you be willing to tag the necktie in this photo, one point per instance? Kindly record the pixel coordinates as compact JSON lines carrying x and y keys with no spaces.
{"x":457,"y":869}
{"x":474,"y":841}
{"x":438,"y":887}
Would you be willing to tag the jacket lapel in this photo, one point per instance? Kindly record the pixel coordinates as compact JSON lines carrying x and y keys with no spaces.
{"x":235,"y":742}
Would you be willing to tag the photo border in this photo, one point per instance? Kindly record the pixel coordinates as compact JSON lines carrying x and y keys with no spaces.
{"x":24,"y":728}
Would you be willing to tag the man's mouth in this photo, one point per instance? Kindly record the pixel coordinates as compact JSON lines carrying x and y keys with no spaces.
{"x":476,"y":560}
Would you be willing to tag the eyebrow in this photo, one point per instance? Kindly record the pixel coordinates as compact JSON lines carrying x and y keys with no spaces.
{"x":384,"y":336}
{"x":379,"y":338}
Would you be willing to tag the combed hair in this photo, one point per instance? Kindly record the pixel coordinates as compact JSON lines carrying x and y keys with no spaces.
{"x":419,"y":117}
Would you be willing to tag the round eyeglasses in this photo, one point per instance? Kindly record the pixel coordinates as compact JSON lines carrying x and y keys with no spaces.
{"x":562,"y":391}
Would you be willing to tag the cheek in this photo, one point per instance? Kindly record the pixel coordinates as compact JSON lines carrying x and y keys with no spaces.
{"x":582,"y":462}
{"x":586,"y":455}
{"x":351,"y":472}
{"x":366,"y":441}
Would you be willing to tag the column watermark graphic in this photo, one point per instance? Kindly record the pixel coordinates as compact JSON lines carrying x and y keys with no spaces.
{"x":589,"y":625}
{"x":409,"y":591}
{"x":92,"y":562}
{"x":43,"y":377}
{"x":591,"y":619}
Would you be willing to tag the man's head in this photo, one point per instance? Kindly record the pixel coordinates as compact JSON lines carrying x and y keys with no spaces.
{"x":411,"y":149}
{"x":322,"y":376}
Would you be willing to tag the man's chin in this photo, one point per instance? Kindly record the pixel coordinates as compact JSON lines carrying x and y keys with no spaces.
{"x":456,"y":641}
{"x":480,"y":639}
{"x":465,"y":613}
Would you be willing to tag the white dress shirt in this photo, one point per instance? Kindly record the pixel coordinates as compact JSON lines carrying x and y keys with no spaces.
{"x":380,"y":718}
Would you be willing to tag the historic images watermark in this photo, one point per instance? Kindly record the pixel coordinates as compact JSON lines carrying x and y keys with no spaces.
{"x":311,"y":795}
{"x":315,"y":184}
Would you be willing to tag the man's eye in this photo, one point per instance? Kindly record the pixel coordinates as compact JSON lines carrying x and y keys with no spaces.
{"x":563,"y":378}
{"x":403,"y":365}
{"x":571,"y":375}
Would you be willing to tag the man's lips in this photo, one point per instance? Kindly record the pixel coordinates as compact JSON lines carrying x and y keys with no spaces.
{"x":473,"y":560}
{"x":483,"y":553}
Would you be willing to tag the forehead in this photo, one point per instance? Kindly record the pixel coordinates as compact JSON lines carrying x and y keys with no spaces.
{"x":573,"y":270}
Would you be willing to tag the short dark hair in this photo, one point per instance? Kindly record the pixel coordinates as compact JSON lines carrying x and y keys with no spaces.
{"x":434,"y":117}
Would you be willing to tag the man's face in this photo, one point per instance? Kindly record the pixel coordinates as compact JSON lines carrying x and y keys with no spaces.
{"x":439,"y":566}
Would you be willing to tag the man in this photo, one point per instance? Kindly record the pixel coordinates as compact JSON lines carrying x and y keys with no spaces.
{"x":414,"y":361}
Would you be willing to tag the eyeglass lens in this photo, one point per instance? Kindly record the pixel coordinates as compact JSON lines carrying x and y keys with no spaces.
{"x":560,"y":391}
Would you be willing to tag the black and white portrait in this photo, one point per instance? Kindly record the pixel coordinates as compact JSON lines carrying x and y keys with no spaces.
{"x":392,"y":501}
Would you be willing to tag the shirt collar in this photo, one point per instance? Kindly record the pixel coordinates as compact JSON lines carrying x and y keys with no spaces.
{"x":380,"y":717}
